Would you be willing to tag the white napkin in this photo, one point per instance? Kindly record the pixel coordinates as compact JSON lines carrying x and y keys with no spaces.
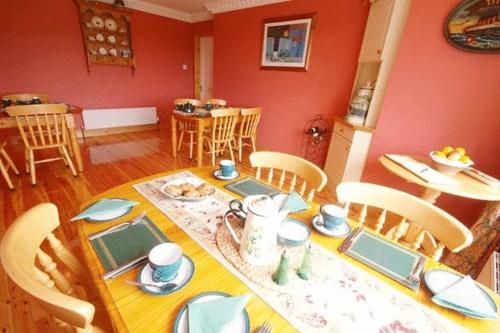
{"x":465,"y":296}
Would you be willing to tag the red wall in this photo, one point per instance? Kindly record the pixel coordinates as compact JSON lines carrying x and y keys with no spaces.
{"x":289,"y":98}
{"x":42,"y":51}
{"x":439,"y":95}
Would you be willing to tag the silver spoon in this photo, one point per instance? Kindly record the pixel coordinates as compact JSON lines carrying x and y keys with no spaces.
{"x":163,"y":287}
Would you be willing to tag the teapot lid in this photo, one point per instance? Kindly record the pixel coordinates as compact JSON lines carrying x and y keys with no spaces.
{"x":263,"y":206}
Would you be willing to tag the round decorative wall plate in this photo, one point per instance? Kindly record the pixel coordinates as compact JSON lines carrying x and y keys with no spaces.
{"x":103,"y":51}
{"x":110,"y":24}
{"x":97,"y":22}
{"x":111,"y":39}
{"x":99,"y":37}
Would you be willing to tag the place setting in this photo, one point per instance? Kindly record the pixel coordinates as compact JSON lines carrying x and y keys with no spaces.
{"x":332,"y":221}
{"x":227,"y":170}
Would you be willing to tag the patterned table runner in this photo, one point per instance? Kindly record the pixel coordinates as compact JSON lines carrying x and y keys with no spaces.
{"x":347,"y":299}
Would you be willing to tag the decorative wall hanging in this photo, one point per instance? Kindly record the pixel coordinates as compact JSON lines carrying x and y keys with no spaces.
{"x":314,"y":144}
{"x":106,"y":34}
{"x":474,"y":25}
{"x":286,"y":42}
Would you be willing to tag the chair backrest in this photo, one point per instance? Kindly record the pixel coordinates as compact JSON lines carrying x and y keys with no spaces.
{"x":249,"y":121}
{"x":420,"y":225}
{"x":19,"y":249}
{"x":27,"y":97}
{"x":41,"y":125}
{"x":216,"y":102}
{"x":223,"y":124}
{"x":191,"y":101}
{"x":309,"y":174}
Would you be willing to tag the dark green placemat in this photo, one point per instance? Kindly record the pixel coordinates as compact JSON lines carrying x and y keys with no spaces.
{"x":120,"y":247}
{"x":384,"y":256}
{"x":250,"y":186}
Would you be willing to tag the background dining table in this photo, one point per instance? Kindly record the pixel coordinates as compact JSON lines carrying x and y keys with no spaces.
{"x":132,"y":310}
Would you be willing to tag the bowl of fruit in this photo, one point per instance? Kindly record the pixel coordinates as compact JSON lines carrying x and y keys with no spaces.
{"x":451,"y":160}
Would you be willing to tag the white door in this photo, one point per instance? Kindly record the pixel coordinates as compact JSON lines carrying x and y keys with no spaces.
{"x":336,"y":160}
{"x":206,"y":67}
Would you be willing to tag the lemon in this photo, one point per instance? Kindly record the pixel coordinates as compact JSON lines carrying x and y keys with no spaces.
{"x":439,"y":154}
{"x":460,"y":150}
{"x":446,"y":150}
{"x":465,"y":159}
{"x":454,"y":156}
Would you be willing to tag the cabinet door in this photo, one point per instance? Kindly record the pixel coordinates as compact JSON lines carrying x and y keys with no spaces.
{"x":372,"y":49}
{"x":336,"y":160}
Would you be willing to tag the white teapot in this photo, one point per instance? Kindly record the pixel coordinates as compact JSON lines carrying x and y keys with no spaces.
{"x":258,"y":244}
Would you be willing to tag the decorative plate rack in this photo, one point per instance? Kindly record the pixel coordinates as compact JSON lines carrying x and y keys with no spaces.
{"x":106,"y":34}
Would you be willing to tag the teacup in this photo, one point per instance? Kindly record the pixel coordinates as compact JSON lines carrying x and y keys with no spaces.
{"x":332,"y":215}
{"x":165,"y":260}
{"x":227,"y":168}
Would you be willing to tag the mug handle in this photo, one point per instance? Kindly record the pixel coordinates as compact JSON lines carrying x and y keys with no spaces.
{"x":239,"y":205}
{"x":230,"y":228}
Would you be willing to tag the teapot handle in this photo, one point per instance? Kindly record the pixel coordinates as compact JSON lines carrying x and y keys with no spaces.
{"x":230,"y":228}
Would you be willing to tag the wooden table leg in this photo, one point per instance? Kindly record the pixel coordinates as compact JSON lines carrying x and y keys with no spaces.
{"x":200,"y":127}
{"x":429,"y":195}
{"x":174,"y":136}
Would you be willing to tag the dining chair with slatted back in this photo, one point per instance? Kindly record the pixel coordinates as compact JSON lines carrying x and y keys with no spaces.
{"x":42,"y":127}
{"x":35,"y":270}
{"x":27,"y":97}
{"x":247,"y":129}
{"x":216,"y":102}
{"x":422,"y":226}
{"x":5,"y":165}
{"x":221,"y":134}
{"x":312,"y":178}
{"x":187,"y":126}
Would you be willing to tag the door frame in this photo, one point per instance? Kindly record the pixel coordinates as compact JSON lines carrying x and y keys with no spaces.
{"x":197,"y":86}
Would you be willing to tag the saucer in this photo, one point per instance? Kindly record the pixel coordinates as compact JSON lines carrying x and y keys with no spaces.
{"x":342,"y":230}
{"x":182,"y":278}
{"x":218,"y":174}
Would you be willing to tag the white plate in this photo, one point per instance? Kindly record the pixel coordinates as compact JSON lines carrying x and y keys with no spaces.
{"x":342,"y":230}
{"x":184,"y":275}
{"x":218,"y":175}
{"x":110,"y":215}
{"x":437,"y":280}
{"x":238,"y":325}
{"x":195,"y":182}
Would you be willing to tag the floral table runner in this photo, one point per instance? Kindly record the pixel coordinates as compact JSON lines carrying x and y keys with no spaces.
{"x":347,"y":299}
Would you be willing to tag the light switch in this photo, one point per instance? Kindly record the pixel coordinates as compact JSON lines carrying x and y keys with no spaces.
{"x":184,"y":67}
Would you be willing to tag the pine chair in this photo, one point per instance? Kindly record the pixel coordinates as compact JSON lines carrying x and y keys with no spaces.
{"x":247,"y":129}
{"x":35,"y":271}
{"x":310,"y":175}
{"x":422,"y":226}
{"x":27,"y":97}
{"x":222,"y":132}
{"x":216,"y":102}
{"x":42,"y":127}
{"x":6,"y":165}
{"x":187,"y":126}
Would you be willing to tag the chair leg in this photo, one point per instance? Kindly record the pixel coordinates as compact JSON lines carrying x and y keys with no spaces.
{"x":69,"y":161}
{"x":231,"y":150}
{"x":212,"y":148}
{"x":181,"y":136}
{"x":191,"y":142}
{"x":32,"y":167}
{"x":27,"y":160}
{"x":253,"y":144}
{"x":64,"y":158}
{"x":240,"y":148}
{"x":6,"y":176}
{"x":9,"y":162}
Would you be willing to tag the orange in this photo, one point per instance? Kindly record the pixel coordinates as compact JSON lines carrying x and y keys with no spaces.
{"x":446,"y":150}
{"x":460,"y":150}
{"x":465,"y":159}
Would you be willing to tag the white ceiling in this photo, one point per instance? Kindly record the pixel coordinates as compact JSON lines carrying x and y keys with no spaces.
{"x":192,"y":10}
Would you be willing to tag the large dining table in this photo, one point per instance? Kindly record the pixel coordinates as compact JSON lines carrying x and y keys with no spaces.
{"x":132,"y":310}
{"x":74,"y":148}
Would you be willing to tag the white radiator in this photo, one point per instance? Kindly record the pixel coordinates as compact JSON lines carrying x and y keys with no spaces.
{"x":108,"y":118}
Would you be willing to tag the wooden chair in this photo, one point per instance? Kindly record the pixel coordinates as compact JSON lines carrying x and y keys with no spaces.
{"x":310,"y":175}
{"x":247,"y":129}
{"x":187,"y":126}
{"x":216,"y":102}
{"x":35,"y":271}
{"x":42,"y":127}
{"x":421,"y":225}
{"x":44,"y":98}
{"x":222,"y":132}
{"x":6,"y":165}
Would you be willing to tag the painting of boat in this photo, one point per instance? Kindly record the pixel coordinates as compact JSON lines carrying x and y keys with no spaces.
{"x":474,"y":25}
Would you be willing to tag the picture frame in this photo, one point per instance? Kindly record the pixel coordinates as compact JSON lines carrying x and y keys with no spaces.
{"x":286,"y":42}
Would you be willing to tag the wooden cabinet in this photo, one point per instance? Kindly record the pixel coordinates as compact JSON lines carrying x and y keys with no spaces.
{"x":372,"y":49}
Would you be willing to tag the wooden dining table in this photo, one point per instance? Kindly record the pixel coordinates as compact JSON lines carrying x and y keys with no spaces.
{"x":7,"y":121}
{"x":132,"y":310}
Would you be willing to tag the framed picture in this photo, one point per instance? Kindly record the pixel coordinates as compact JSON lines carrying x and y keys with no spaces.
{"x":474,"y":25}
{"x":286,"y":42}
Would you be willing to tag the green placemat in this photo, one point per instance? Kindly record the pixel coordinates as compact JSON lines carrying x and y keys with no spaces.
{"x":384,"y":256}
{"x":250,"y":186}
{"x":118,"y":248}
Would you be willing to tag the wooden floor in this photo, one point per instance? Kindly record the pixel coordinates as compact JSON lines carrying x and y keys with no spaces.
{"x":109,"y":161}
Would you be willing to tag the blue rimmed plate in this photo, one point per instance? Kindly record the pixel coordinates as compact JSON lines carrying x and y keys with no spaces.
{"x":238,"y":325}
{"x":182,"y":278}
{"x":104,"y":217}
{"x":342,"y":230}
